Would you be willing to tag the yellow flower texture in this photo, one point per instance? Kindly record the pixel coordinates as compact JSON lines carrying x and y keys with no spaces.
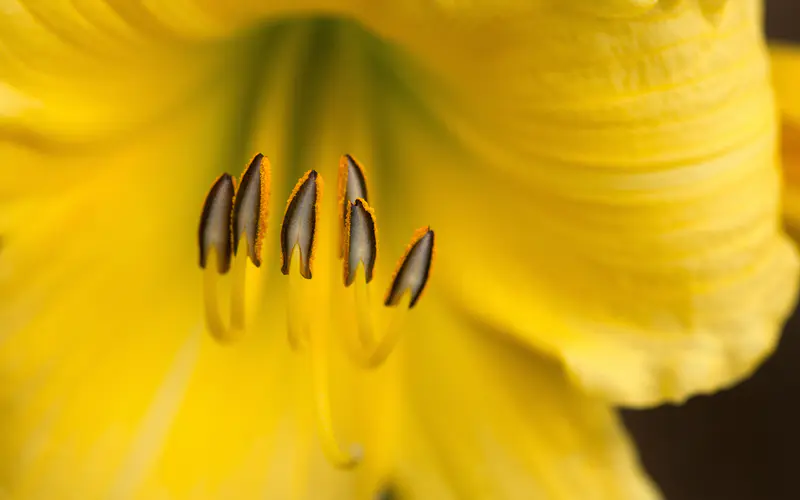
{"x":184,"y":318}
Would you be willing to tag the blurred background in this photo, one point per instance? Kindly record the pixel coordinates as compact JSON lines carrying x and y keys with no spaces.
{"x":744,"y":443}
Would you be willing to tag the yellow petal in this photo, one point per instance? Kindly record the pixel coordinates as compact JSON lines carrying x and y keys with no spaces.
{"x":511,"y":422}
{"x":615,"y":199}
{"x":785,"y":61}
{"x":785,"y":77}
{"x":790,"y":157}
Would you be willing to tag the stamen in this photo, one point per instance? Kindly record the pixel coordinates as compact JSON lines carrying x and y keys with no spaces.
{"x":368,"y":352}
{"x":360,"y":252}
{"x":215,"y":239}
{"x":413,"y":269}
{"x":300,"y":223}
{"x":299,"y":229}
{"x":210,"y":300}
{"x":238,"y":292}
{"x":407,"y":286}
{"x":215,"y":223}
{"x":214,"y":321}
{"x":352,"y":186}
{"x":366,"y":333}
{"x":361,"y":240}
{"x":297,"y":321}
{"x":234,"y":222}
{"x":379,"y":351}
{"x":250,"y":208}
{"x":330,"y":446}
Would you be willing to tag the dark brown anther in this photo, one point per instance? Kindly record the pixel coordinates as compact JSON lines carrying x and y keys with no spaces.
{"x":300,"y":223}
{"x":250,"y":208}
{"x":361,"y":241}
{"x":215,"y":223}
{"x":352,"y":186}
{"x":413,"y":270}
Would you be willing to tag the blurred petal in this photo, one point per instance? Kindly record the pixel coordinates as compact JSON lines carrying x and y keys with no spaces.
{"x":785,"y":61}
{"x":786,"y":79}
{"x":790,"y":156}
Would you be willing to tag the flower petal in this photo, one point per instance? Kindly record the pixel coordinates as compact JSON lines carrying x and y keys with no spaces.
{"x":790,"y":156}
{"x":111,"y":386}
{"x":785,"y":77}
{"x":503,"y":422}
{"x":785,"y":59}
{"x":615,"y":202}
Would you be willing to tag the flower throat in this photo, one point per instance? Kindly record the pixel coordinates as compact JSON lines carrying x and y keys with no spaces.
{"x":232,"y":229}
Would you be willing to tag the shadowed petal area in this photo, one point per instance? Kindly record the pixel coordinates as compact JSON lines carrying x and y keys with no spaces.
{"x":785,"y":59}
{"x":786,"y":78}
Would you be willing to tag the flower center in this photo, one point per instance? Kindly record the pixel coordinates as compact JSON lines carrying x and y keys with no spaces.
{"x":233,"y":228}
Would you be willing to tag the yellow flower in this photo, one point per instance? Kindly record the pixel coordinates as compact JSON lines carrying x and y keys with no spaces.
{"x":600,"y":177}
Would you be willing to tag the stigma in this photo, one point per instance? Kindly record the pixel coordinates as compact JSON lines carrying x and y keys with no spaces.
{"x":233,"y":229}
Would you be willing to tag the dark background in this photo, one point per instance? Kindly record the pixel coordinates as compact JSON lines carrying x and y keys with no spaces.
{"x":744,"y":443}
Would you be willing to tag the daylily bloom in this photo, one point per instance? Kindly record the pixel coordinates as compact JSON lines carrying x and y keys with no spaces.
{"x":597,"y":180}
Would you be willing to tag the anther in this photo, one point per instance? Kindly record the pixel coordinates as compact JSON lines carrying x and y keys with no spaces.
{"x":250,"y":208}
{"x":352,"y":186}
{"x":361,"y":241}
{"x":413,"y":269}
{"x":215,"y":223}
{"x":300,"y":223}
{"x":408,"y":284}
